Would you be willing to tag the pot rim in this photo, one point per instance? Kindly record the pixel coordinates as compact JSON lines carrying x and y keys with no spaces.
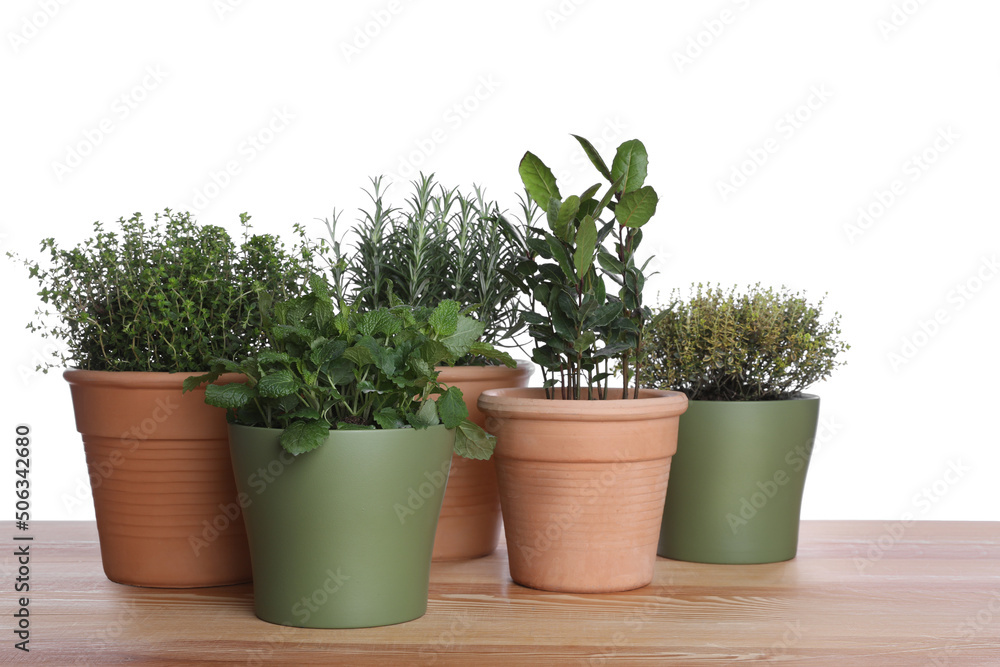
{"x":651,"y":404}
{"x":360,"y":433}
{"x":155,"y":379}
{"x":800,"y":397}
{"x":491,"y":372}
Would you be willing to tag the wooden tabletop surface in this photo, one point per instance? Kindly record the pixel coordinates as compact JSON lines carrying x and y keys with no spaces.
{"x":859,"y":593}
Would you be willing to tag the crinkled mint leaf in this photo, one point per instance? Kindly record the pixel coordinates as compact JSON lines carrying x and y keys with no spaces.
{"x":426,"y":416}
{"x":389,"y":418}
{"x":444,"y":319}
{"x":466,"y":333}
{"x":233,"y":395}
{"x":452,"y":408}
{"x":277,"y":384}
{"x":300,"y":437}
{"x":472,"y":442}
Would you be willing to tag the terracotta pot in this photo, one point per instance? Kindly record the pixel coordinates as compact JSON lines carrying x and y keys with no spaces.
{"x":582,"y":485}
{"x":470,"y":518}
{"x":164,"y":493}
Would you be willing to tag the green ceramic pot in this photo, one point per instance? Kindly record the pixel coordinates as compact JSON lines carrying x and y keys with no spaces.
{"x":736,"y":481}
{"x":341,"y":537}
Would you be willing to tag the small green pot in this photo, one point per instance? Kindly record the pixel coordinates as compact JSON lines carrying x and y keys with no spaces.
{"x":736,"y":481}
{"x":341,"y":537}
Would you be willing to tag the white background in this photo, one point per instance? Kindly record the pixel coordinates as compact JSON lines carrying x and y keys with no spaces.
{"x":706,"y":85}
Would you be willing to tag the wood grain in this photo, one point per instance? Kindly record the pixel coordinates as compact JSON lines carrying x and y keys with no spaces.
{"x":928,"y":596}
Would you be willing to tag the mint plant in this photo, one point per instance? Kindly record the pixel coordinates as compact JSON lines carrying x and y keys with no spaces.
{"x":165,"y":296}
{"x":578,"y":326}
{"x":723,"y":345}
{"x":442,"y":244}
{"x":345,"y":368}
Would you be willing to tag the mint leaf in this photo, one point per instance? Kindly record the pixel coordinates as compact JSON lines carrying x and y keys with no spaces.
{"x":379,"y":323}
{"x":444,"y":319}
{"x":426,"y":416}
{"x":388,"y":418}
{"x":300,"y":437}
{"x":277,"y":384}
{"x":467,"y":332}
{"x":472,"y":442}
{"x":195,"y":381}
{"x":233,"y":395}
{"x":451,"y":407}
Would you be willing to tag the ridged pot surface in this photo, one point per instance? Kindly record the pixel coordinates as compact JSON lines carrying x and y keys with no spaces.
{"x":168,"y":515}
{"x":341,"y":537}
{"x":470,"y":517}
{"x":582,"y":484}
{"x":739,"y":475}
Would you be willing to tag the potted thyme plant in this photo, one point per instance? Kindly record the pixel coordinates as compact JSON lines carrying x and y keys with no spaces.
{"x":744,"y":361}
{"x":139,"y":307}
{"x":444,"y":244}
{"x":339,"y":411}
{"x":582,"y":466}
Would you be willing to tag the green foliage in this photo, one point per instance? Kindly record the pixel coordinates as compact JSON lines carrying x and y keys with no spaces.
{"x":345,"y":368}
{"x":442,"y":245}
{"x":577,"y":325}
{"x":165,"y":296}
{"x":723,"y":346}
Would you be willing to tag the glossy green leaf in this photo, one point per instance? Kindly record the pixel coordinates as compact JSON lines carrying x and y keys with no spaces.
{"x":586,"y":246}
{"x":538,"y":180}
{"x":630,"y":165}
{"x":637,"y":207}
{"x":595,"y":157}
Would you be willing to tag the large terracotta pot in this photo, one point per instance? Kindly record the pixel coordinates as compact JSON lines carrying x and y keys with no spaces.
{"x":582,"y":485}
{"x":167,"y":510}
{"x":470,"y":518}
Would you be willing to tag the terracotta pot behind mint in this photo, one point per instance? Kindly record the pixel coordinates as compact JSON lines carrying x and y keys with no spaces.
{"x":470,"y":517}
{"x":736,"y":490}
{"x":341,"y":537}
{"x":167,"y":511}
{"x":582,"y":485}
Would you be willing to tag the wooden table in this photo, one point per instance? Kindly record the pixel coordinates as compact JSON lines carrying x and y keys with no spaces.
{"x":859,"y":593}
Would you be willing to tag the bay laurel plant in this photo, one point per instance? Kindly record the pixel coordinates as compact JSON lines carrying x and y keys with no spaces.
{"x":341,"y":366}
{"x":162,"y":296}
{"x":725,"y":345}
{"x":440,"y":244}
{"x":580,"y":327}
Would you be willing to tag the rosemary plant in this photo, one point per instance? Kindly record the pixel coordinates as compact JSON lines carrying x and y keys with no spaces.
{"x":440,"y":244}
